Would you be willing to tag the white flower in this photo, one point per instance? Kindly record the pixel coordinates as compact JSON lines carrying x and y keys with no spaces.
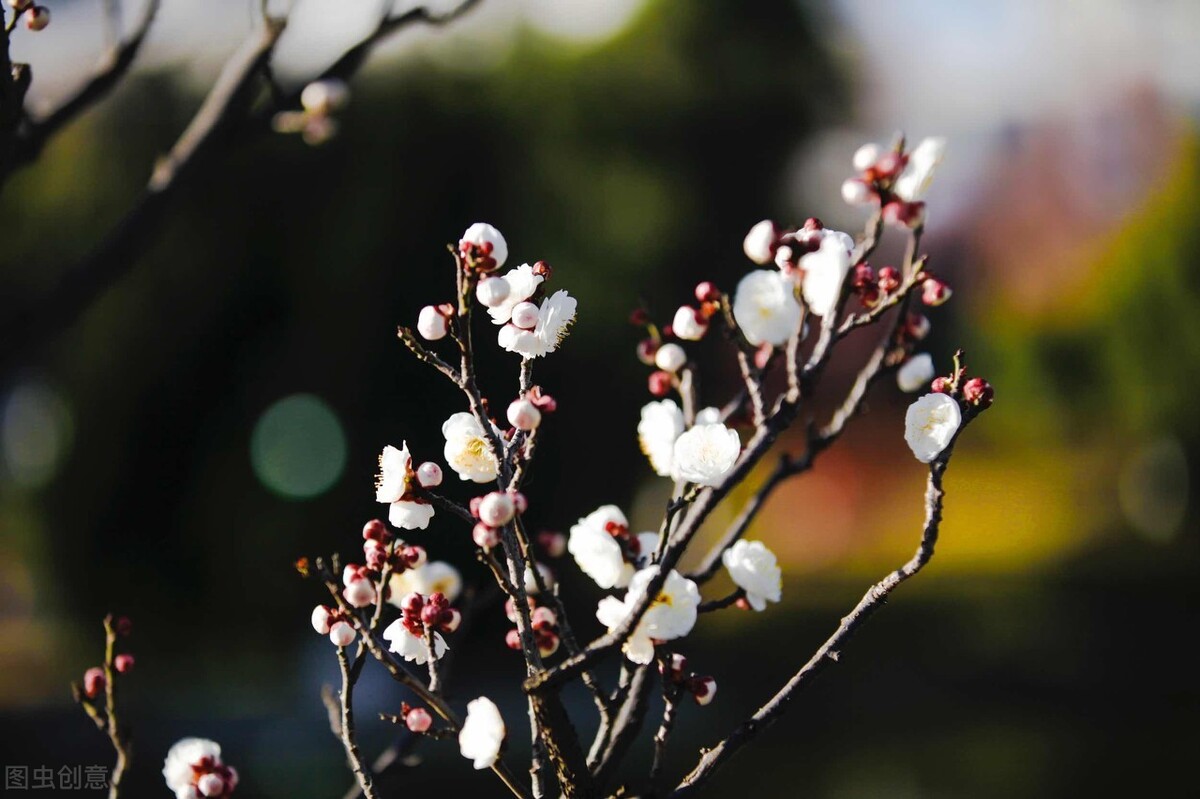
{"x":482,"y":734}
{"x":431,"y":324}
{"x":765,"y":307}
{"x":178,"y":768}
{"x":670,"y":357}
{"x":705,"y":454}
{"x":760,"y":242}
{"x":672,"y":614}
{"x":596,"y":550}
{"x":661,"y":425}
{"x":708,"y":415}
{"x":754,"y":569}
{"x":394,"y":481}
{"x":435,"y":577}
{"x":554,"y":320}
{"x":930,"y":425}
{"x":824,"y":271}
{"x":522,"y":283}
{"x":409,"y":646}
{"x":468,"y":451}
{"x":914,"y":180}
{"x":687,"y":325}
{"x":482,"y":233}
{"x":915,"y":373}
{"x":492,"y":291}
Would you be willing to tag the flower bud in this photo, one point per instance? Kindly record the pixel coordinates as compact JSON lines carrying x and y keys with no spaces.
{"x":324,"y":96}
{"x":486,"y":239}
{"x":552,"y":543}
{"x":414,"y":557}
{"x":547,"y":644}
{"x":639,"y":317}
{"x":543,"y":618}
{"x":94,"y":682}
{"x":866,"y":156}
{"x":688,"y":324}
{"x":646,"y":350}
{"x":660,"y":383}
{"x":342,"y":634}
{"x":431,"y":324}
{"x":525,"y":315}
{"x":375,"y":530}
{"x":904,"y":215}
{"x":37,"y":18}
{"x":484,"y":536}
{"x":707,"y":292}
{"x":451,"y":619}
{"x":492,"y":291}
{"x":320,"y":619}
{"x":889,"y":279}
{"x":496,"y":509}
{"x":670,"y":358}
{"x":914,"y":373}
{"x":359,"y":592}
{"x":888,"y":164}
{"x":429,"y":475}
{"x":123,"y":663}
{"x":760,"y":243}
{"x":940,"y":385}
{"x":916,"y":327}
{"x":978,"y":391}
{"x":513,"y":639}
{"x":703,"y":689}
{"x":418,"y":719}
{"x":211,"y":785}
{"x":934,"y":292}
{"x":524,"y":415}
{"x":856,"y":192}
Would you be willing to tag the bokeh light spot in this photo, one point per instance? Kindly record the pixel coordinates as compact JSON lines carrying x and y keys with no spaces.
{"x":1153,"y":489}
{"x":298,"y":448}
{"x":35,"y":434}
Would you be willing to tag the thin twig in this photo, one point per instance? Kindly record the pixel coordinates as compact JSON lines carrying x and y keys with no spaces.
{"x":347,"y":728}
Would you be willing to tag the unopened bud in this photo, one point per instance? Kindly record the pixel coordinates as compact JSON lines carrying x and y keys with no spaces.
{"x":703,"y":689}
{"x":760,"y":243}
{"x":123,"y":663}
{"x":934,"y":292}
{"x":904,"y":215}
{"x":660,"y":383}
{"x":689,"y":324}
{"x":889,"y":279}
{"x":978,"y":391}
{"x":496,"y":509}
{"x":451,"y":619}
{"x":341,"y":634}
{"x":324,"y":96}
{"x":856,"y":192}
{"x":418,"y":719}
{"x":547,"y":644}
{"x":524,"y":415}
{"x":429,"y":475}
{"x":513,"y":639}
{"x":320,"y":619}
{"x":707,"y":292}
{"x":670,"y":358}
{"x":552,"y":543}
{"x":525,"y":315}
{"x":492,"y":291}
{"x":210,"y":785}
{"x":485,"y":537}
{"x":647,"y":348}
{"x":37,"y":18}
{"x":940,"y":385}
{"x":866,"y":156}
{"x":93,"y":682}
{"x":375,"y":530}
{"x":431,"y":324}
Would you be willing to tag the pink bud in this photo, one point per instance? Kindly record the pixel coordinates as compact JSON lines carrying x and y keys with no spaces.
{"x":496,"y":509}
{"x":513,"y":639}
{"x":543,"y":618}
{"x":978,"y":391}
{"x":485,"y":537}
{"x":646,"y":350}
{"x":429,"y":474}
{"x":547,"y":644}
{"x":524,"y":415}
{"x":525,"y":315}
{"x":359,"y":592}
{"x":418,"y":719}
{"x":934,"y":292}
{"x":451,"y":619}
{"x":689,"y":324}
{"x":660,"y":383}
{"x":211,"y":785}
{"x":492,"y":291}
{"x":904,"y":215}
{"x":431,"y":324}
{"x":412,"y":602}
{"x":123,"y":663}
{"x":760,"y":243}
{"x":414,"y":556}
{"x":707,"y":292}
{"x":940,"y":385}
{"x":341,"y":634}
{"x":94,"y":682}
{"x":37,"y":18}
{"x":375,"y":530}
{"x":703,"y":689}
{"x":320,"y":619}
{"x":916,"y":327}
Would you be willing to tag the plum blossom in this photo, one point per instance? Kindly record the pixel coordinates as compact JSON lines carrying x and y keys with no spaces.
{"x":597,"y":551}
{"x":760,"y":242}
{"x":688,"y":325}
{"x":393,"y":487}
{"x":914,"y":180}
{"x":765,"y":307}
{"x":672,"y":614}
{"x":754,"y":569}
{"x":915,"y":373}
{"x":482,"y":734}
{"x":705,"y":454}
{"x":409,"y":646}
{"x":553,"y":322}
{"x":434,"y":577}
{"x":468,"y":451}
{"x":193,"y":769}
{"x":709,"y":415}
{"x":670,"y":357}
{"x":481,"y":234}
{"x":431,"y":323}
{"x":824,"y":272}
{"x":661,"y":424}
{"x":930,"y":424}
{"x":521,"y":282}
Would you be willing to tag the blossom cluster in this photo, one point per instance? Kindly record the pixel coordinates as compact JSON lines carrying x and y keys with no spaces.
{"x":193,"y":769}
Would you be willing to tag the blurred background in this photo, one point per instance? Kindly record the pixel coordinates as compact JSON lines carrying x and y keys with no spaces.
{"x":217,"y":411}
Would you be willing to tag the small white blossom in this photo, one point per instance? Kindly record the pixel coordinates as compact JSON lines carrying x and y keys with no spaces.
{"x":930,"y":425}
{"x":524,"y":415}
{"x":434,"y":577}
{"x":866,"y":156}
{"x":409,"y":646}
{"x":429,"y":475}
{"x":596,"y":551}
{"x":554,"y":320}
{"x":431,"y":324}
{"x":492,"y":291}
{"x":855,"y":192}
{"x":705,"y":454}
{"x":914,"y":180}
{"x":320,"y":619}
{"x":496,"y":509}
{"x":672,"y":614}
{"x":687,"y":326}
{"x":824,"y":272}
{"x":765,"y":307}
{"x":525,"y":315}
{"x":660,"y":426}
{"x":342,"y":634}
{"x":670,"y":357}
{"x":915,"y":373}
{"x":759,"y":242}
{"x":482,"y":233}
{"x":754,"y":569}
{"x":393,"y":483}
{"x":482,"y":734}
{"x":467,"y":450}
{"x":521,"y":283}
{"x":709,"y":415}
{"x":193,"y":768}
